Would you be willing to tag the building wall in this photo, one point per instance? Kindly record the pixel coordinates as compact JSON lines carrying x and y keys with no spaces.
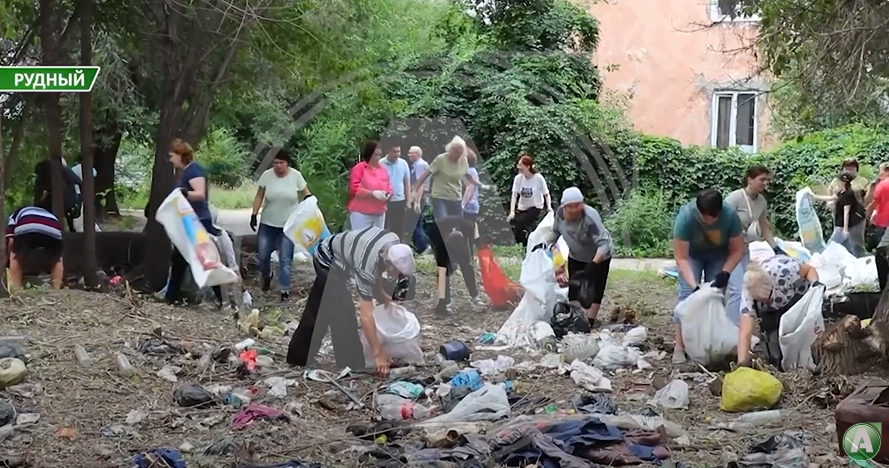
{"x":668,"y":58}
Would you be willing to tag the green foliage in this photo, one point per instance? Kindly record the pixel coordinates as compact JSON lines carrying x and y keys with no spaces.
{"x":223,"y":157}
{"x":642,"y":224}
{"x":676,"y":174}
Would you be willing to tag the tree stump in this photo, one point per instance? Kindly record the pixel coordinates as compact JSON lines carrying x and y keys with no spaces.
{"x":847,"y":349}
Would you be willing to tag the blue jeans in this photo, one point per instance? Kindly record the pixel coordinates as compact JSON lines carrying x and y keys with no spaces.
{"x":442,"y":208}
{"x":419,"y":237}
{"x":272,"y":238}
{"x":854,"y":242}
{"x":706,"y":268}
{"x":735,"y":285}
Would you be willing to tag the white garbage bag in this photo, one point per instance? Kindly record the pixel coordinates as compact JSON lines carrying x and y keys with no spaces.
{"x":305,"y":226}
{"x":830,"y":265}
{"x":188,"y":235}
{"x":399,"y":333}
{"x":861,"y":275}
{"x":798,"y":329}
{"x":708,"y":334}
{"x":539,"y":281}
{"x":542,"y":234}
{"x":807,"y":219}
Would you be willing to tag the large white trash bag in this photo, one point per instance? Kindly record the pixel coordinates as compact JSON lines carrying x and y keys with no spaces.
{"x":399,"y":333}
{"x":810,"y":232}
{"x":707,"y":332}
{"x":305,"y":226}
{"x":539,"y":281}
{"x":191,"y":239}
{"x":798,"y":329}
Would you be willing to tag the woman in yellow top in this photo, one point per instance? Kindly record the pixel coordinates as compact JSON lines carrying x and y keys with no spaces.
{"x":280,"y":190}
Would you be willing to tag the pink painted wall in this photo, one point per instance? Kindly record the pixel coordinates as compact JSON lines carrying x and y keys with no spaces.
{"x":668,"y":58}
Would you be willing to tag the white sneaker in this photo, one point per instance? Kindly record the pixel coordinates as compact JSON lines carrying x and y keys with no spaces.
{"x":477,"y":301}
{"x":679,"y":356}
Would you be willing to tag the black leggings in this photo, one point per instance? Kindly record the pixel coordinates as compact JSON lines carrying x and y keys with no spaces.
{"x":179,"y":266}
{"x":329,"y":305}
{"x":591,"y":277}
{"x":524,"y":224}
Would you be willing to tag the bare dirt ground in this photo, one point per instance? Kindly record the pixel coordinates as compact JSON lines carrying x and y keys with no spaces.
{"x":84,"y":411}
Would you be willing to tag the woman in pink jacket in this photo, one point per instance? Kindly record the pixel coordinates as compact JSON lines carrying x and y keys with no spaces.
{"x":369,"y":189}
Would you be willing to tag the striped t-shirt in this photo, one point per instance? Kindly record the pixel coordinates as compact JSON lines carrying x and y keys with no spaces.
{"x":34,"y":220}
{"x":357,"y":253}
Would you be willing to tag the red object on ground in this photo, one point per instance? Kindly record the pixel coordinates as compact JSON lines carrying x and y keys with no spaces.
{"x":501,"y":290}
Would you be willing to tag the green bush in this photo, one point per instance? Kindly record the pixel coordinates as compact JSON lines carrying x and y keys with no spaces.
{"x":224,"y":158}
{"x":642,"y":225}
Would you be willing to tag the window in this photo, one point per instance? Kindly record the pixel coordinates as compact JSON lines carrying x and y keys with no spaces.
{"x":733,"y":120}
{"x":721,"y":11}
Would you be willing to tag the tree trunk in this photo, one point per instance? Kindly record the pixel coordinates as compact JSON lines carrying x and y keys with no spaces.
{"x":847,"y":349}
{"x":106,"y":145}
{"x":48,"y":11}
{"x":88,"y":190}
{"x":162,"y":181}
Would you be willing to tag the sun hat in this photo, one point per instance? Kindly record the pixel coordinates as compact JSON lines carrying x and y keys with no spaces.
{"x":401,"y":256}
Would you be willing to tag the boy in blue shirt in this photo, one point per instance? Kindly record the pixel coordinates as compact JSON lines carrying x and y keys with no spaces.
{"x":708,"y":244}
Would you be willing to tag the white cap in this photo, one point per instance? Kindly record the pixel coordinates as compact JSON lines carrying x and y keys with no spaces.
{"x":571,"y":195}
{"x":401,"y":257}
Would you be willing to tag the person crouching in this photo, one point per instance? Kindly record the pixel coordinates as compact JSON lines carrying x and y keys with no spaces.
{"x":363,"y":255}
{"x":34,"y":245}
{"x":589,"y":251}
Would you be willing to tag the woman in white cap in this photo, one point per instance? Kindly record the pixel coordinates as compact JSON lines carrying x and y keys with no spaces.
{"x":589,"y":251}
{"x":363,"y":255}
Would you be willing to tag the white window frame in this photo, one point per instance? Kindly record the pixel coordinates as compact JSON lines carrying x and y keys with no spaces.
{"x":717,"y":17}
{"x":733,"y":119}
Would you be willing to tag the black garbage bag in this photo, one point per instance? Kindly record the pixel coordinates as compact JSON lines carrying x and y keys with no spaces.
{"x":569,"y":317}
{"x":580,"y":288}
{"x":600,"y":403}
{"x":403,"y":288}
{"x":193,"y":395}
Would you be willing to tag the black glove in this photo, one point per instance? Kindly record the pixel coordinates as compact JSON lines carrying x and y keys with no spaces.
{"x":184,"y":193}
{"x":721,"y":280}
{"x":779,"y":250}
{"x":815,"y":284}
{"x":253,"y":222}
{"x":308,"y":196}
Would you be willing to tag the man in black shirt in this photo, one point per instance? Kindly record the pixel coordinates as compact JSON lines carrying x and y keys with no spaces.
{"x":848,"y":219}
{"x":43,"y":190}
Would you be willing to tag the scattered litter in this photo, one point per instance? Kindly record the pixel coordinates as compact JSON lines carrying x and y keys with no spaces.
{"x":673,"y":396}
{"x":278,"y":386}
{"x":83,"y":357}
{"x":12,"y":372}
{"x":26,"y":418}
{"x":454,"y":350}
{"x":405,"y":389}
{"x":256,"y":412}
{"x":136,"y":416}
{"x":192,"y":395}
{"x":489,"y":367}
{"x":168,"y":373}
{"x":594,"y":403}
{"x":160,"y":457}
{"x":588,"y":377}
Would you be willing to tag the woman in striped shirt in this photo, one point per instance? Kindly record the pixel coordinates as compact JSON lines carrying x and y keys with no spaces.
{"x":363,"y":255}
{"x":34,"y":245}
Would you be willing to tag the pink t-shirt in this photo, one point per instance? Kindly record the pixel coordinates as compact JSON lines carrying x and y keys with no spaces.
{"x":370,"y":178}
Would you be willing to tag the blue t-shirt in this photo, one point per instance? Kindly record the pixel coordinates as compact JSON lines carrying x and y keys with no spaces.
{"x":706,"y":241}
{"x":397,"y":170}
{"x":193,"y":171}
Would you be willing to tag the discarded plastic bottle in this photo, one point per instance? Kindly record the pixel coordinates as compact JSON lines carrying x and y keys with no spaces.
{"x":404,"y":411}
{"x":545,"y":336}
{"x":400,"y":372}
{"x":83,"y":357}
{"x":124,"y":367}
{"x":245,"y":344}
{"x":581,"y":351}
{"x":205,"y":362}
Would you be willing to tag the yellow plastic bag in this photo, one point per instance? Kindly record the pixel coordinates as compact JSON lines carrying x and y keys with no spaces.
{"x":748,"y":389}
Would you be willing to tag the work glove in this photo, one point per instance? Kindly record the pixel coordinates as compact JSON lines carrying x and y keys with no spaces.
{"x":816,"y":284}
{"x":184,"y":192}
{"x":721,"y":280}
{"x":380,"y":195}
{"x":778,"y":250}
{"x":253,"y":222}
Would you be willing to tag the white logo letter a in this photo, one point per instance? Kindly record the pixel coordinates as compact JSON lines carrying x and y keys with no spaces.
{"x":861,"y":440}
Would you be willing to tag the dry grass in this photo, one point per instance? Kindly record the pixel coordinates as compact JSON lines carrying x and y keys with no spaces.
{"x":90,"y":399}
